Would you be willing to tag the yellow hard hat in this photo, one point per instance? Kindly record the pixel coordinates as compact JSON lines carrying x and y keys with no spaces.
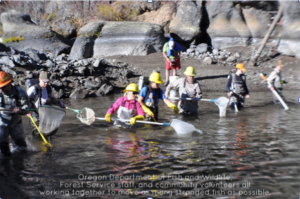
{"x":155,"y":77}
{"x":190,"y":71}
{"x":131,"y":87}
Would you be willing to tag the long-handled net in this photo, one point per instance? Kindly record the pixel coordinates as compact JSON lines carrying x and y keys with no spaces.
{"x":222,"y":102}
{"x":50,"y":119}
{"x":86,"y":116}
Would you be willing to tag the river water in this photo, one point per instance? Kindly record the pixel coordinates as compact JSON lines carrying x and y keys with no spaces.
{"x":251,"y":154}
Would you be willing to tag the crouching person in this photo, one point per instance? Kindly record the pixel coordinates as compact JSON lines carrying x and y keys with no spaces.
{"x":15,"y":98}
{"x":41,"y":94}
{"x":127,"y":108}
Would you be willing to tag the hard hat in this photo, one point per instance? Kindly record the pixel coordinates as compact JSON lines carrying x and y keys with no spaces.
{"x":155,"y":77}
{"x":241,"y":66}
{"x":131,"y":87}
{"x":4,"y":79}
{"x":171,"y":45}
{"x":190,"y":71}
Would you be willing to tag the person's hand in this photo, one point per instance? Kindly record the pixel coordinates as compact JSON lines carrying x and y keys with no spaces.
{"x":138,"y":117}
{"x":272,"y":88}
{"x":173,"y":107}
{"x":167,"y":95}
{"x":61,"y":104}
{"x":29,"y":114}
{"x":230,"y":93}
{"x":107,"y":117}
{"x":247,"y":96}
{"x":17,"y":110}
{"x":147,"y":111}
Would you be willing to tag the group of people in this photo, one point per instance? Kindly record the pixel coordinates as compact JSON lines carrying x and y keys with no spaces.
{"x":135,"y":105}
{"x":16,"y":102}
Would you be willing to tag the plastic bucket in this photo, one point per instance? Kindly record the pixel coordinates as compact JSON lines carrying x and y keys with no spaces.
{"x":173,"y":92}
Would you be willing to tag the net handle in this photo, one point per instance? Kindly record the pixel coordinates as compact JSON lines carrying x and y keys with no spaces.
{"x":137,"y":121}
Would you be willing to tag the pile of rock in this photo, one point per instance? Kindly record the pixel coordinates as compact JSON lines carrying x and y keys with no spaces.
{"x":70,"y":78}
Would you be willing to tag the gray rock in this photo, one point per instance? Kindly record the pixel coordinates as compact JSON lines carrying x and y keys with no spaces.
{"x":215,"y":51}
{"x":207,"y":60}
{"x":92,"y":29}
{"x":77,"y":64}
{"x":9,"y":70}
{"x":53,"y":77}
{"x":104,"y":90}
{"x":129,"y":38}
{"x":65,"y":72}
{"x":5,"y":60}
{"x":79,"y":93}
{"x":186,"y":23}
{"x":82,"y":48}
{"x":230,"y":59}
{"x":60,"y":94}
{"x":202,"y":48}
{"x":84,"y":62}
{"x":237,"y":55}
{"x":97,"y":63}
{"x":82,"y":70}
{"x":57,"y":84}
{"x":190,"y":50}
{"x":50,"y":63}
{"x":90,"y":84}
{"x":17,"y":58}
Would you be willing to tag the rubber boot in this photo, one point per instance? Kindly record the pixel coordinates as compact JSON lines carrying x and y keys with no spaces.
{"x":5,"y":149}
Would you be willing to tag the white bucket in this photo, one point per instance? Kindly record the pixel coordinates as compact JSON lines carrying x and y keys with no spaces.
{"x":173,"y":92}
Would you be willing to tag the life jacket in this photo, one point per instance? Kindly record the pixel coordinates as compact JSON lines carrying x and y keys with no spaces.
{"x":39,"y":92}
{"x":149,"y":91}
{"x":238,"y":87}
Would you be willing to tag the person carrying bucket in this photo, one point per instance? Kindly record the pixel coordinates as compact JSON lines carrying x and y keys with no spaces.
{"x":150,"y":95}
{"x":171,"y":52}
{"x":12,"y":97}
{"x":127,"y":107}
{"x":41,"y":94}
{"x":275,"y":83}
{"x":188,"y":88}
{"x":237,"y":87}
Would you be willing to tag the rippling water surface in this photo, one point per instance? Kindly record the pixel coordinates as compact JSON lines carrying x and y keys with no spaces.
{"x":252,"y":154}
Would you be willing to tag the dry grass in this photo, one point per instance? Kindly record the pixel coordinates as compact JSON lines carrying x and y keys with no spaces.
{"x":111,"y":13}
{"x":13,"y":39}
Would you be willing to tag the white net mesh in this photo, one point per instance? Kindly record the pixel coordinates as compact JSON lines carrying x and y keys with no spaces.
{"x":86,"y":116}
{"x":222,"y":104}
{"x":182,"y":127}
{"x":50,"y":119}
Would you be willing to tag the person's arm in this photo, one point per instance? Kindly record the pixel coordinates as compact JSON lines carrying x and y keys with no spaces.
{"x":198,"y":91}
{"x":115,"y":106}
{"x":228,"y":85}
{"x":246,"y":88}
{"x":24,"y":102}
{"x":169,"y":103}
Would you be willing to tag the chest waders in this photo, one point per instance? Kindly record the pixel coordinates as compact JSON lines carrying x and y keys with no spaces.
{"x":125,"y":113}
{"x":152,"y":105}
{"x":238,"y":87}
{"x":187,"y":106}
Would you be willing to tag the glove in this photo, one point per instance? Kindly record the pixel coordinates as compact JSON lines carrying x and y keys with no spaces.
{"x":174,"y":108}
{"x":138,"y":117}
{"x":147,"y":111}
{"x":107,"y":117}
{"x":61,"y":104}
{"x":283,"y":82}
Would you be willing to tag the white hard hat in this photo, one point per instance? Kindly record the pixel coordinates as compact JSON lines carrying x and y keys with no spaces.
{"x":171,"y":45}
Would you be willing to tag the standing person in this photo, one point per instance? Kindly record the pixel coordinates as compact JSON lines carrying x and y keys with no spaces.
{"x":237,"y":87}
{"x":127,"y":107}
{"x":171,"y":52}
{"x":41,"y":94}
{"x":12,"y":97}
{"x":150,"y":95}
{"x":275,"y":82}
{"x":188,"y":88}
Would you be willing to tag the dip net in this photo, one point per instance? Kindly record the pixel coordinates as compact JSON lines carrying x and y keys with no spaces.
{"x":222,"y":102}
{"x":50,"y":119}
{"x":86,"y":116}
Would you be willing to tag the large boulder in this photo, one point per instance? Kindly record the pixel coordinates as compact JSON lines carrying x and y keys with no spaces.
{"x":290,"y":36}
{"x":19,"y":25}
{"x":227,"y":25}
{"x":129,"y":38}
{"x":186,"y":23}
{"x":3,"y":48}
{"x":162,"y":16}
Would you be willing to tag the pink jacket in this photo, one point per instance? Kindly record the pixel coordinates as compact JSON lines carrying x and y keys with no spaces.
{"x":128,"y":105}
